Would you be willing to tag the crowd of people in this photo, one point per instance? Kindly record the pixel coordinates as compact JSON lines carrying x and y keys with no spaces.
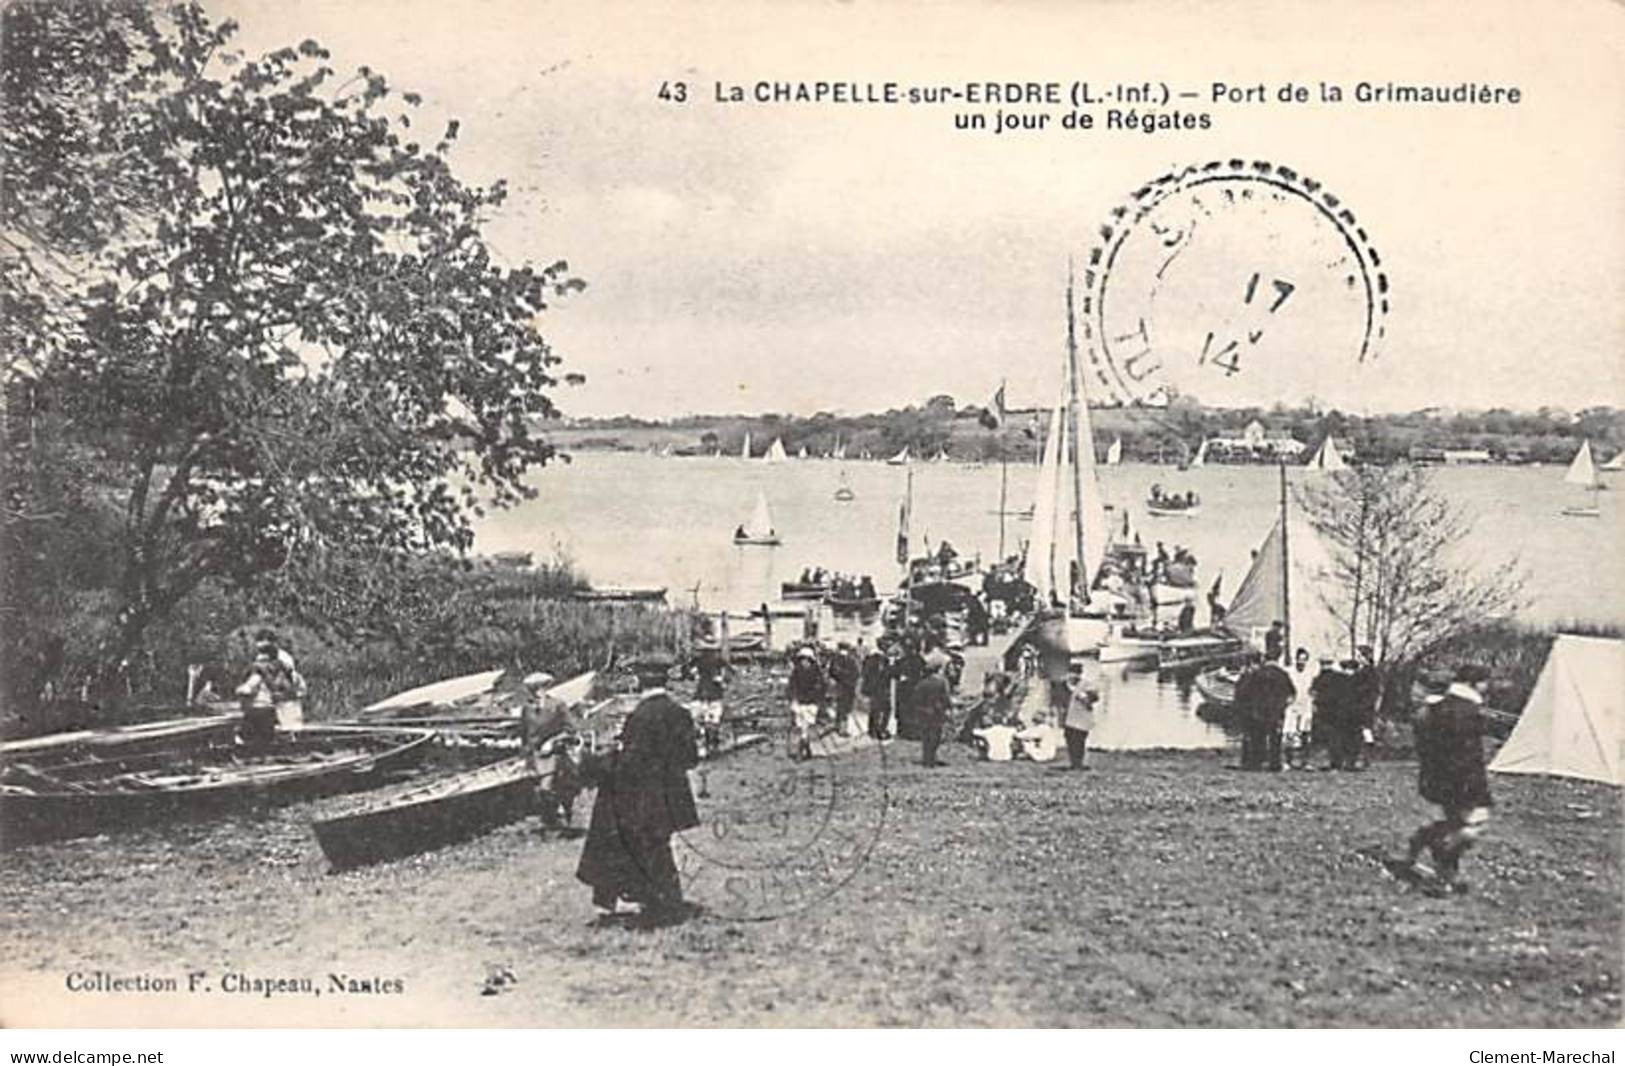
{"x":1288,"y":717}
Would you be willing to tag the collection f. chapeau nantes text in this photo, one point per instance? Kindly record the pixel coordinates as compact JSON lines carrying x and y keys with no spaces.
{"x":1144,"y":106}
{"x":233,"y":982}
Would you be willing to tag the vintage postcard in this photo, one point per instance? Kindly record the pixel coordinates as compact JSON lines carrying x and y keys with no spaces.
{"x":820,"y":514}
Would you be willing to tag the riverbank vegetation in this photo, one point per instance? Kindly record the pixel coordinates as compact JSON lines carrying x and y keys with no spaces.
{"x":941,"y":425}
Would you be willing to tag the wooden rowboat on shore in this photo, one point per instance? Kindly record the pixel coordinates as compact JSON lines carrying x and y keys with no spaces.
{"x":73,"y":793}
{"x":423,"y":815}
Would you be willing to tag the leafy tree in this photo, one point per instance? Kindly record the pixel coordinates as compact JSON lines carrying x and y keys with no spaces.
{"x":1401,"y":584}
{"x":290,"y":347}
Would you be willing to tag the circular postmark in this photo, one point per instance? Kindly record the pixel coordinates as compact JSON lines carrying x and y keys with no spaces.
{"x":1219,"y":275}
{"x":777,"y":836}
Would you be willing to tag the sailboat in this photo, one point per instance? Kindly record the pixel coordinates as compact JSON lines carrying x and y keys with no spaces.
{"x":775,"y":452}
{"x":744,"y":453}
{"x":1584,"y":473}
{"x":802,"y":454}
{"x":844,"y":493}
{"x":900,"y":459}
{"x":1327,"y":459}
{"x":1069,"y":542}
{"x":1200,"y":458}
{"x":1114,"y":454}
{"x":759,"y":530}
{"x":1616,"y":463}
{"x":1286,"y":583}
{"x":839,"y":451}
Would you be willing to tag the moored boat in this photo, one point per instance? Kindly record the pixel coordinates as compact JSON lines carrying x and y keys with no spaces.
{"x":121,"y":740}
{"x":73,"y":795}
{"x":425,"y":815}
{"x":803,"y":590}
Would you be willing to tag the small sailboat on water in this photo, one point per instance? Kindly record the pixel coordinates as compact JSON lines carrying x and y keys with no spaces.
{"x":775,"y":452}
{"x":1583,"y":472}
{"x":1200,"y":458}
{"x":1114,"y":454}
{"x":900,"y":459}
{"x":759,"y":531}
{"x":744,"y":452}
{"x":1614,"y":464}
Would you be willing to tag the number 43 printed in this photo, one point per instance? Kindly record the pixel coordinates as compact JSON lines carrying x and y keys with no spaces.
{"x":1228,"y":354}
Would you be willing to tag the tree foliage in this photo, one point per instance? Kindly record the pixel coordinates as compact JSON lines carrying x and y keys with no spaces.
{"x":266,"y":313}
{"x":1403,"y":585}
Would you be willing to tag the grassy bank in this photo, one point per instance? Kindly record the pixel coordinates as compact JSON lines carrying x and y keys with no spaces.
{"x":457,"y":619}
{"x":1162,"y":889}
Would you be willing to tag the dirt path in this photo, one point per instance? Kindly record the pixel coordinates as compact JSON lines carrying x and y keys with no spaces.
{"x":1161,"y":889}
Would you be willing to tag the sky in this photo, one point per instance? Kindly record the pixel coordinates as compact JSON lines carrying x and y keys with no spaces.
{"x":849,"y":257}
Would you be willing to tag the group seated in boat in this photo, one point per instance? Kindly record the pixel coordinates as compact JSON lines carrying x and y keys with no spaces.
{"x":1178,"y":569}
{"x":1172,"y":501}
{"x":944,"y":564}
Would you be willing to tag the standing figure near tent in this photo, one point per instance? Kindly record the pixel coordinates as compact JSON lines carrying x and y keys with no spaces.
{"x":1326,"y":692}
{"x":1262,"y":697}
{"x":1450,"y":751}
{"x":1300,"y":715}
{"x":1365,"y":689}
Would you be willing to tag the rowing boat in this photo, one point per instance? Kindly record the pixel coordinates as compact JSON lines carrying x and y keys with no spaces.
{"x":122,"y":739}
{"x":72,"y":793}
{"x":421,"y":816}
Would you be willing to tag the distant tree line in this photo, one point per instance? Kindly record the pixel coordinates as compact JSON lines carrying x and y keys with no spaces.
{"x":1165,"y":434}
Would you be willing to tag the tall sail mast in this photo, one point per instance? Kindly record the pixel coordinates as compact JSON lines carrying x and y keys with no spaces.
{"x":1004,"y":472}
{"x":1286,"y":581}
{"x":1081,"y":586}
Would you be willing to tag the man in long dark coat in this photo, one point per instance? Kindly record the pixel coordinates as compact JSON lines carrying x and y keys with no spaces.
{"x":643,"y":798}
{"x":1450,"y":753}
{"x":876,"y":683}
{"x":1262,"y":697}
{"x":932,"y":702}
{"x":1364,"y":690}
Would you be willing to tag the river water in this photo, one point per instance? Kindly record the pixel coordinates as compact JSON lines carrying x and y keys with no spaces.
{"x":638,"y":519}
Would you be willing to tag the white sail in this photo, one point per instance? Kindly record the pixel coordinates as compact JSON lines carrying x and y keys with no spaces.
{"x":1201,"y":454}
{"x":1114,"y":454}
{"x":1038,"y":571}
{"x":775,"y":452}
{"x":840,"y":449}
{"x":1262,"y":596}
{"x":1092,"y":509}
{"x":1582,"y":471}
{"x":1327,"y":458}
{"x":900,"y":458}
{"x":761,"y":519}
{"x":1616,"y":463}
{"x":744,"y":453}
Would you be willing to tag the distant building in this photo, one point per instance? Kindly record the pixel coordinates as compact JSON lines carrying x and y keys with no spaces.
{"x":1463,"y":456}
{"x":1420,"y":453}
{"x":1254,"y":445}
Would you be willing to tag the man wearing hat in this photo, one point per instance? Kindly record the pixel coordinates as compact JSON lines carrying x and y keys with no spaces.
{"x":932,"y":702}
{"x":643,"y":798}
{"x":1080,"y":716}
{"x":844,"y":670}
{"x":1450,"y":754}
{"x":806,"y":698}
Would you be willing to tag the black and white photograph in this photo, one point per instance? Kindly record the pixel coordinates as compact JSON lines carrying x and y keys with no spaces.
{"x":823,"y":515}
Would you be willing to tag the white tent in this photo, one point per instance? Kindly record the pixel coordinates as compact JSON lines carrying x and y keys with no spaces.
{"x":1572,"y":725}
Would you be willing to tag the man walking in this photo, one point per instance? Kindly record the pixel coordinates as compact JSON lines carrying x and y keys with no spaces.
{"x":932,"y":701}
{"x":643,"y":798}
{"x":1364,"y":690}
{"x":877,"y":688}
{"x":1450,"y":753}
{"x":806,"y":699}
